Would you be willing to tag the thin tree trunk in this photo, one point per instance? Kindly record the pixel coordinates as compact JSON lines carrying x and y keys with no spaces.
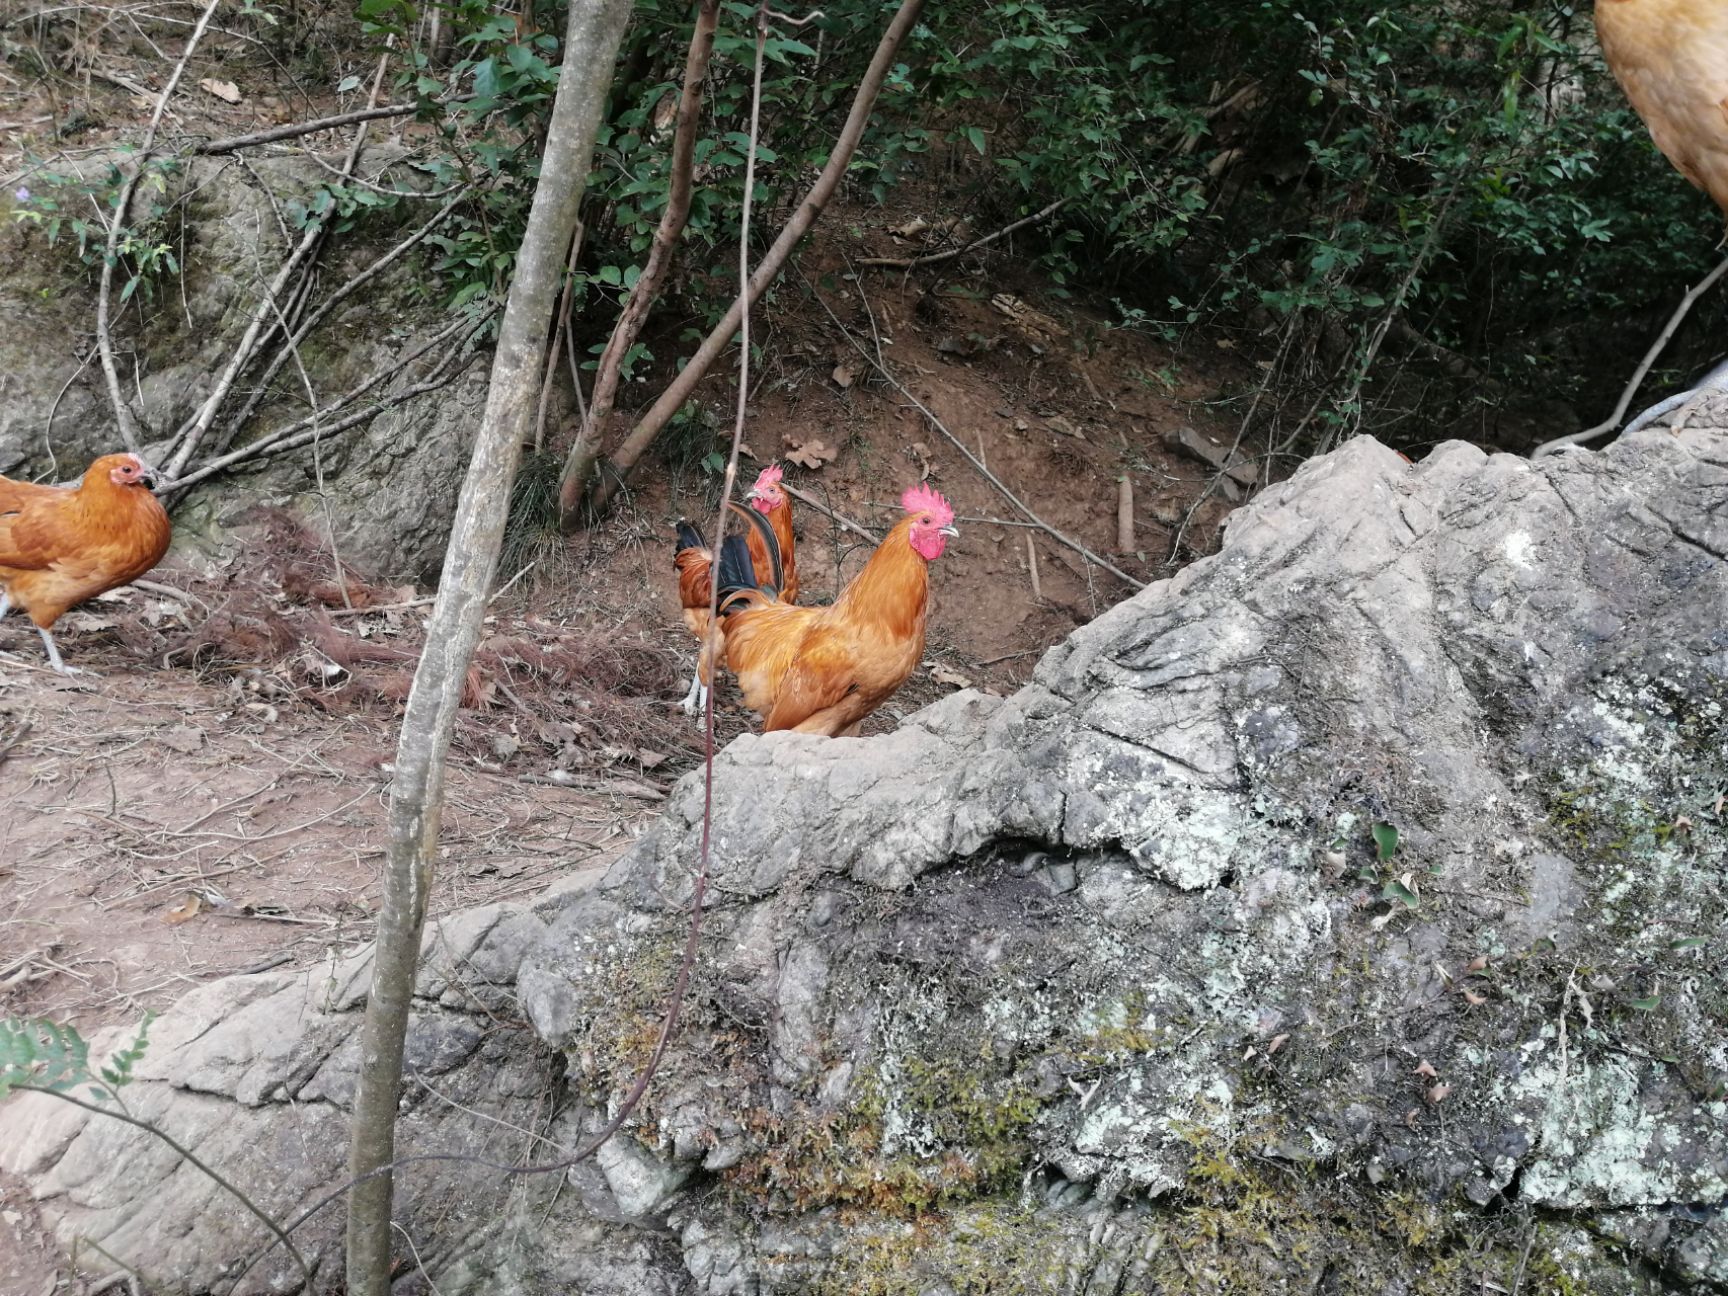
{"x":596,"y":27}
{"x":580,"y":461}
{"x":673,"y":398}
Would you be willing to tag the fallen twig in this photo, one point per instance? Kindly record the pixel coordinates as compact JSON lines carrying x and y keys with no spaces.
{"x":820,"y":507}
{"x":1024,"y":652}
{"x":262,"y":965}
{"x":912,"y":263}
{"x":235,"y":142}
{"x":383,"y":607}
{"x":169,"y":591}
{"x":240,"y":911}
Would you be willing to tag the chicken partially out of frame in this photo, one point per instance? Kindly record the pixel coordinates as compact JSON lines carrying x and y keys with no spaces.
{"x":1671,"y":59}
{"x":824,"y":669}
{"x":61,"y":545}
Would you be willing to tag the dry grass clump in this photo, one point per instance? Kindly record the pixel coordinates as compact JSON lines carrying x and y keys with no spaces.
{"x":287,"y":630}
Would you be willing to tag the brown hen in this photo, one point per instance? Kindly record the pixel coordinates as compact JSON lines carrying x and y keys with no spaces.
{"x":60,"y":545}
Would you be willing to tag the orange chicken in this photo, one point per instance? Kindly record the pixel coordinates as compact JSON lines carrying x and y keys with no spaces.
{"x":60,"y":545}
{"x":1671,"y":59}
{"x":773,"y":558}
{"x":823,"y":670}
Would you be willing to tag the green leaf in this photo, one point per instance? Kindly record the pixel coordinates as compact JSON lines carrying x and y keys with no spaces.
{"x":1396,"y":890}
{"x":347,"y":84}
{"x":1646,"y":1005}
{"x":1688,"y":942}
{"x":1385,"y":841}
{"x":976,"y":136}
{"x":486,"y":84}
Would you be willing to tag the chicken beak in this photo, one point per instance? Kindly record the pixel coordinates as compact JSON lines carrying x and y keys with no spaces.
{"x":950,"y":532}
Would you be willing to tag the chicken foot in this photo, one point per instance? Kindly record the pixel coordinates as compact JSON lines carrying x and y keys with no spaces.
{"x":696,"y":700}
{"x":59,"y":666}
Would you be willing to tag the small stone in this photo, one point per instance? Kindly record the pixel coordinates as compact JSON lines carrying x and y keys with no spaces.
{"x":1060,"y":878}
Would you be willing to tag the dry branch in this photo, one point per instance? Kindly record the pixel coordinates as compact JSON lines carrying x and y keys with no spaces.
{"x":372,"y":271}
{"x":189,"y":436}
{"x":234,"y":143}
{"x":910,"y":263}
{"x":673,"y":398}
{"x":123,"y":416}
{"x":560,"y":328}
{"x":1638,"y":375}
{"x":579,"y":463}
{"x":847,"y":523}
{"x":288,"y":438}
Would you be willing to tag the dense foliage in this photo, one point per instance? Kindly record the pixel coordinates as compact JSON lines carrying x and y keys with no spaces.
{"x":1432,"y":217}
{"x":1431,"y":213}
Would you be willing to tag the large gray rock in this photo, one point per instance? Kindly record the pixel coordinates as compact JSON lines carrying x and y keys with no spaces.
{"x":1124,"y":937}
{"x":1122,"y":983}
{"x":389,"y":486}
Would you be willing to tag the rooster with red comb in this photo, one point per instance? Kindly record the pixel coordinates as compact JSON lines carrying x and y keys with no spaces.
{"x":767,"y":528}
{"x":823,"y":670}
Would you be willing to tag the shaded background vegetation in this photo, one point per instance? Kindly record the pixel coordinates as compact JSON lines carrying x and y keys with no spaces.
{"x":1463,"y":178}
{"x":1427,"y":219}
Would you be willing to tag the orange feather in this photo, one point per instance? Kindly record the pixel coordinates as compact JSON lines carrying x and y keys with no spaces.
{"x":694,"y":564}
{"x":823,"y":670}
{"x":60,"y":545}
{"x":1671,"y":59}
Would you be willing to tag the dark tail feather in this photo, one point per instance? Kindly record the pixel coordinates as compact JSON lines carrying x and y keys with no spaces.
{"x":737,"y":573}
{"x":688,"y":537}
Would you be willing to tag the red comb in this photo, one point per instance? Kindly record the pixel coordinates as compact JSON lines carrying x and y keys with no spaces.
{"x":768,"y":476}
{"x":923,"y":498}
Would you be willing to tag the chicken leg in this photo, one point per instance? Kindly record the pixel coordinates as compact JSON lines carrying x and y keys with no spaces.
{"x":59,"y":666}
{"x":696,"y":700}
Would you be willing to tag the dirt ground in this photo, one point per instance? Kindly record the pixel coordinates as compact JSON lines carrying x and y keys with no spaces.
{"x":168,"y":823}
{"x":164,"y":824}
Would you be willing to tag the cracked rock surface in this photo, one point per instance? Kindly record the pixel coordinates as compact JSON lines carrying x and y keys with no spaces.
{"x":1342,"y":915}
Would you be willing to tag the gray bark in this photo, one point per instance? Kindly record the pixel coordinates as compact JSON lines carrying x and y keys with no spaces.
{"x":416,"y":797}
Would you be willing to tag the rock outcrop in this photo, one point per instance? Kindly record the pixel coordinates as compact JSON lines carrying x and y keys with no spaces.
{"x":1342,"y":915}
{"x":389,"y":486}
